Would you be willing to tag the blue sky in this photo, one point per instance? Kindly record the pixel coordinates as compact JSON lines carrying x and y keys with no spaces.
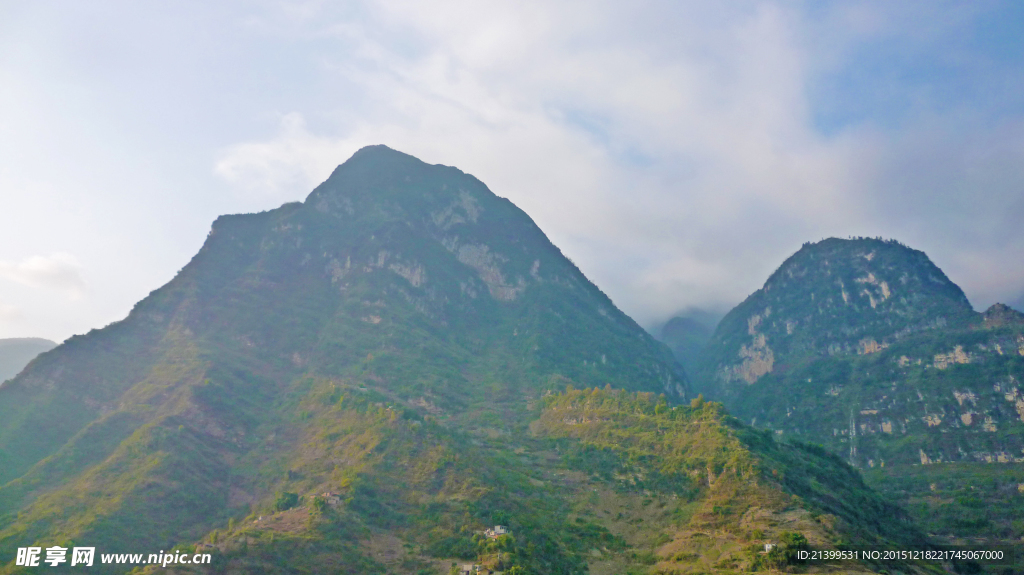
{"x":966,"y":58}
{"x":677,"y":151}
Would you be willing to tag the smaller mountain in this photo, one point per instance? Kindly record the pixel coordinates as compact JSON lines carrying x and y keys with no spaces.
{"x":834,"y":298}
{"x":865,"y":347}
{"x":16,"y":353}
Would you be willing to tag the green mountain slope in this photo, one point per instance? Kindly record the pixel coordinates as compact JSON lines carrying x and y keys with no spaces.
{"x":410,"y":283}
{"x":364,"y":382}
{"x":607,"y":482}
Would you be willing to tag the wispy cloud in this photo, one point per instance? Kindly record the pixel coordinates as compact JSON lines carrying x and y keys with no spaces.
{"x":58,"y":271}
{"x":295,"y":159}
{"x":679,"y":152}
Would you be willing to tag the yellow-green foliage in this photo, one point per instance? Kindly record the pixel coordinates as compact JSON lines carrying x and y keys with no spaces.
{"x":696,"y":441}
{"x":398,"y":473}
{"x":347,"y":435}
{"x":731,"y":469}
{"x":676,"y":440}
{"x":158,"y":479}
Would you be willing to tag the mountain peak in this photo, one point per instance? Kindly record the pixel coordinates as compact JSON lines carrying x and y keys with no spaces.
{"x":871,"y":276}
{"x":383,"y":184}
{"x":377,"y":154}
{"x":867,"y":255}
{"x":382,"y":163}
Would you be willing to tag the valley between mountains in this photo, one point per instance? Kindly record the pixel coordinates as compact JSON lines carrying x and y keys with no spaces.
{"x":402,"y":374}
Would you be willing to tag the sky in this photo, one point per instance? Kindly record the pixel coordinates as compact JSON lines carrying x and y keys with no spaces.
{"x":677,"y":151}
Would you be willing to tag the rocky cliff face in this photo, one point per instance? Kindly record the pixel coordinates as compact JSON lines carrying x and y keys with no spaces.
{"x":950,"y":395}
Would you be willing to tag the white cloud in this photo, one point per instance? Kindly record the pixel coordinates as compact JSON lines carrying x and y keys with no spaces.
{"x":9,"y":312}
{"x":677,"y":151}
{"x":58,"y":271}
{"x":634,"y":150}
{"x":294,"y":161}
{"x":670,"y":150}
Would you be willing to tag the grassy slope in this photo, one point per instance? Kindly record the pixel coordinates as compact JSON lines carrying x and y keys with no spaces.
{"x":740,"y":486}
{"x":639,"y":488}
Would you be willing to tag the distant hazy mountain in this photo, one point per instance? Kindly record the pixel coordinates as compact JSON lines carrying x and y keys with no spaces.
{"x":687,"y":333}
{"x":866,"y":347}
{"x":15,"y":353}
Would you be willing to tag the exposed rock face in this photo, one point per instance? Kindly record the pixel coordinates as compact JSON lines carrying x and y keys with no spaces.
{"x":758,"y":360}
{"x":964,"y":403}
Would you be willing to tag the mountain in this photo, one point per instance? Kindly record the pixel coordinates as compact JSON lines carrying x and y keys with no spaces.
{"x":410,"y":284}
{"x":367,"y":380}
{"x":865,"y":347}
{"x":400,"y":276}
{"x":15,"y":353}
